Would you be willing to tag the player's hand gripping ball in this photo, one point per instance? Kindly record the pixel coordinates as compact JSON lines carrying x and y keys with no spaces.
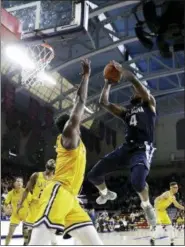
{"x":111,"y":73}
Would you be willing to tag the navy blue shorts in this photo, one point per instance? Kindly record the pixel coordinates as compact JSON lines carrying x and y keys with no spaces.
{"x":125,"y":155}
{"x":130,"y":155}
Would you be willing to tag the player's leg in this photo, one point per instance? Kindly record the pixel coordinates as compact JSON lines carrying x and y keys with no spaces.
{"x":51,"y":215}
{"x":80,"y":227}
{"x":170,"y":229}
{"x":25,"y":233}
{"x":108,"y":164}
{"x":163,"y":219}
{"x":171,"y":233}
{"x":156,"y":231}
{"x":11,"y":231}
{"x":27,"y":229}
{"x":87,"y":236}
{"x":26,"y":226}
{"x":30,"y":220}
{"x":139,"y":174}
{"x":140,"y":166}
{"x":41,"y":235}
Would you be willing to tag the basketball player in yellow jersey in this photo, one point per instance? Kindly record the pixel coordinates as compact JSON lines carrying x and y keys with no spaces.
{"x":161,"y":204}
{"x":12,"y":200}
{"x":60,"y":208}
{"x":36,"y":185}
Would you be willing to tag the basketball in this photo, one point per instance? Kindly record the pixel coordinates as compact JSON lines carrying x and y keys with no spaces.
{"x":111,"y":73}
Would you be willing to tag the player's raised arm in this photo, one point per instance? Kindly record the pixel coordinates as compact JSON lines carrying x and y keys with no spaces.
{"x":138,"y":86}
{"x":72,"y":128}
{"x":115,"y":109}
{"x":29,"y":187}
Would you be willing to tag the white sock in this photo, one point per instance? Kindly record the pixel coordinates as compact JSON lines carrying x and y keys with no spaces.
{"x":104,"y":192}
{"x":87,"y":235}
{"x":146,"y":203}
{"x":157,"y":232}
{"x":171,"y":232}
{"x":41,"y":235}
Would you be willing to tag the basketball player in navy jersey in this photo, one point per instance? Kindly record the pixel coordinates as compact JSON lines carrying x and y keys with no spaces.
{"x":137,"y":151}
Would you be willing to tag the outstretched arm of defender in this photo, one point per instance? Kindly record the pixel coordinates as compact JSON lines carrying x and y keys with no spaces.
{"x":29,"y":187}
{"x":116,"y":110}
{"x":71,"y":138}
{"x":178,"y":205}
{"x":138,"y":86}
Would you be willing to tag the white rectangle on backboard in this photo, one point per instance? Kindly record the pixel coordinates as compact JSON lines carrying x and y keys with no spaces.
{"x":45,"y":19}
{"x":28,"y":6}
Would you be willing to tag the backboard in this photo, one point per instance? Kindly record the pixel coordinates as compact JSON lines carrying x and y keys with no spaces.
{"x":46,"y":20}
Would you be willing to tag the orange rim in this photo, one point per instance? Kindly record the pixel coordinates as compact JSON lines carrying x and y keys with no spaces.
{"x":52,"y":52}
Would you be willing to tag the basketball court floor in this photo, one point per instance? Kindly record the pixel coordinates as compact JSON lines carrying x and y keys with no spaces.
{"x":140,"y":238}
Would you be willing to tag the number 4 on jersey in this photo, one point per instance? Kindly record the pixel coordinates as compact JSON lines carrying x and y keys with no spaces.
{"x":133,"y":120}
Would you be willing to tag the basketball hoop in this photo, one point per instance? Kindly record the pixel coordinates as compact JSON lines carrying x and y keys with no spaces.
{"x":39,"y":56}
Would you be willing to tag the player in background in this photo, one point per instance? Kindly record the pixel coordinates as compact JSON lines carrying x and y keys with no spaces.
{"x":137,"y":151}
{"x":10,"y":207}
{"x":60,"y":208}
{"x":35,"y":186}
{"x":161,"y":204}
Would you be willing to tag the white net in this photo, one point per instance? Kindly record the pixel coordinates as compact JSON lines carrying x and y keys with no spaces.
{"x":37,"y":57}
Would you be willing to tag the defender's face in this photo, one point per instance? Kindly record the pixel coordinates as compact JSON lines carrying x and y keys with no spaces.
{"x":18,"y":183}
{"x":174,"y":189}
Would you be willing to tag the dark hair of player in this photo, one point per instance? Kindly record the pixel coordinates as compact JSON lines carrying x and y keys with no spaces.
{"x":173,"y":183}
{"x":15,"y":179}
{"x":61,"y":121}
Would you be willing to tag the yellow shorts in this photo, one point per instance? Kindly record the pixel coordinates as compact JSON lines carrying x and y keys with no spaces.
{"x":163,"y":218}
{"x":15,"y":218}
{"x":32,"y":215}
{"x":59,"y":209}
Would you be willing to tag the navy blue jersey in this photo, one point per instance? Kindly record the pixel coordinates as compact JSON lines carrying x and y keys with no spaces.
{"x":140,"y":123}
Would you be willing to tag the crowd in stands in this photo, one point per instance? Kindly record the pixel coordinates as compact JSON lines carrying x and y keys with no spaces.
{"x":108,"y":222}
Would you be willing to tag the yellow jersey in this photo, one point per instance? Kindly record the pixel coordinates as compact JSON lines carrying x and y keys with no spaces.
{"x":39,"y":186}
{"x":180,"y":220}
{"x":163,"y":204}
{"x":70,"y":166}
{"x":14,"y":197}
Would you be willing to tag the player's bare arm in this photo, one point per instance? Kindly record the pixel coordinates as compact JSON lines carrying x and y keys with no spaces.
{"x":165,"y":195}
{"x":29,"y":187}
{"x":7,"y":207}
{"x":114,"y":109}
{"x":138,"y":86}
{"x":71,"y":133}
{"x":178,"y":205}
